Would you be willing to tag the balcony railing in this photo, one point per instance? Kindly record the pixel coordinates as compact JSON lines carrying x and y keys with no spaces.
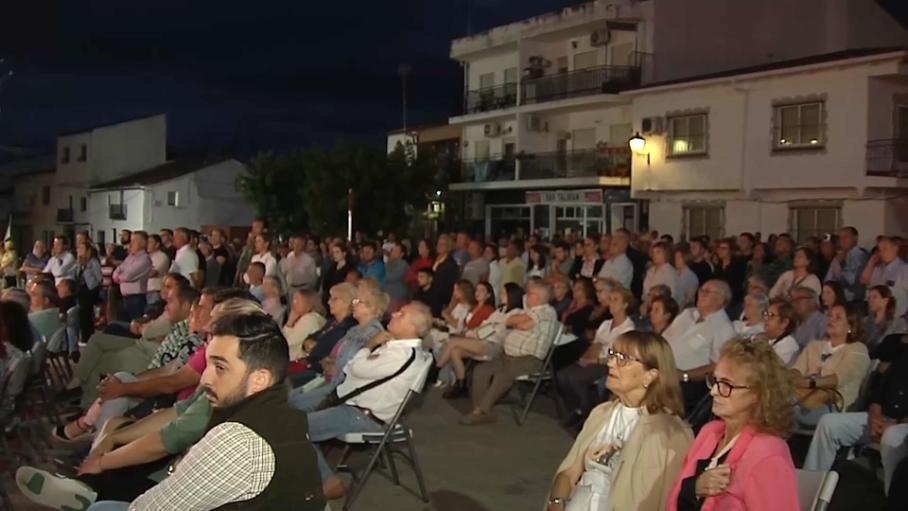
{"x":64,"y":215}
{"x":582,"y":82}
{"x":608,"y":162}
{"x":490,"y":98}
{"x":117,"y":212}
{"x":486,"y":170}
{"x":887,"y":157}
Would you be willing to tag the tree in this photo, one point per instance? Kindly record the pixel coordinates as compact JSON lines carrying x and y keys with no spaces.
{"x":273,"y":185}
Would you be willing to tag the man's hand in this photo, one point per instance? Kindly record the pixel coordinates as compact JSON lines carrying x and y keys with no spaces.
{"x":379,"y":339}
{"x":91,"y":465}
{"x":111,"y":388}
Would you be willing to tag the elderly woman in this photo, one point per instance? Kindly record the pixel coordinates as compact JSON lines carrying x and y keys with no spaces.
{"x":881,"y":320}
{"x":751,"y":322}
{"x":483,"y":341}
{"x":831,"y":371}
{"x":273,"y":298}
{"x":307,"y":316}
{"x":320,"y":344}
{"x":780,"y":323}
{"x":631,"y":447}
{"x":575,"y":380}
{"x":561,"y":293}
{"x":369,"y":306}
{"x":742,"y":461}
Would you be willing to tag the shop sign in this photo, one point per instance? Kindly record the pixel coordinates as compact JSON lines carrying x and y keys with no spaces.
{"x":564,"y":197}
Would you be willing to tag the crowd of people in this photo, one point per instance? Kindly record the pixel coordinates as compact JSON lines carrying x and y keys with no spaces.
{"x":682,"y":368}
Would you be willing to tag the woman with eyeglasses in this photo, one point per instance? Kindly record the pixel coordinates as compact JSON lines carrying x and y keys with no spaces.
{"x":751,"y":322}
{"x":780,"y":322}
{"x":742,"y":461}
{"x":830,"y":371}
{"x":631,"y":447}
{"x":322,"y":342}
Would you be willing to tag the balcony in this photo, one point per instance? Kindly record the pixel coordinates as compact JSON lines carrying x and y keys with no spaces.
{"x":117,"y":211}
{"x":488,"y":170}
{"x":490,"y":98}
{"x":887,"y":158}
{"x":582,"y":82}
{"x":607,"y":162}
{"x":65,"y":215}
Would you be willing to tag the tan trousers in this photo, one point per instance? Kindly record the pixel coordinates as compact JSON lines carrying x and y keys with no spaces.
{"x":492,"y":380}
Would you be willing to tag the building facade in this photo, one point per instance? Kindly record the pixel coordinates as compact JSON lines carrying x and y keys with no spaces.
{"x":550,"y":104}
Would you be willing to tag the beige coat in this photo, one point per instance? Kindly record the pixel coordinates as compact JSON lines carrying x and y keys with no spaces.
{"x":650,"y":461}
{"x":850,"y":364}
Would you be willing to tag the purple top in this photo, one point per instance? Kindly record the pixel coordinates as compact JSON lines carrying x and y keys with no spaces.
{"x":132,"y":274}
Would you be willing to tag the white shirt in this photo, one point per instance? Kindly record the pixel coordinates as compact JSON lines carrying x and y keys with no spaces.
{"x":269,"y":261}
{"x":743,"y":330}
{"x":366,"y":367}
{"x":787,"y":349}
{"x":160,"y":263}
{"x":605,"y":334}
{"x":662,"y":275}
{"x":186,"y":262}
{"x":61,"y":267}
{"x":698,"y":344}
{"x":894,"y":276}
{"x":299,"y":270}
{"x":619,"y":268}
{"x":688,"y":283}
{"x":787,"y":282}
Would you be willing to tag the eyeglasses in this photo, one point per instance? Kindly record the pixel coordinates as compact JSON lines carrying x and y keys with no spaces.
{"x":359,"y":301}
{"x":724,"y":387}
{"x":621,"y":359}
{"x":767,"y":315}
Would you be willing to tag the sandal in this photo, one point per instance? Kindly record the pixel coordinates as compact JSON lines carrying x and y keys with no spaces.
{"x":74,"y":431}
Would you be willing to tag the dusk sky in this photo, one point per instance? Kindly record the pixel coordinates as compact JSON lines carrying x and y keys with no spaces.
{"x":235,"y":76}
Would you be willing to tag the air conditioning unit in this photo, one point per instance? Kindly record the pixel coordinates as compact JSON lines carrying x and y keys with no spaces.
{"x":537,"y":124}
{"x":600,"y":37}
{"x":652,"y":125}
{"x":492,"y":130}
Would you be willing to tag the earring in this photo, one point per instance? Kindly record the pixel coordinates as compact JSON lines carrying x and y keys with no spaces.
{"x":646,"y":385}
{"x":849,"y":330}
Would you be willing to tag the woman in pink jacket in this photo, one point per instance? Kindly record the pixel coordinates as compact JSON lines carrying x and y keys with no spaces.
{"x":741,"y":462}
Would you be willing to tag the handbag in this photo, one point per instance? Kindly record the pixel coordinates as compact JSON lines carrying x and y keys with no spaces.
{"x":811,"y":399}
{"x":332,"y":399}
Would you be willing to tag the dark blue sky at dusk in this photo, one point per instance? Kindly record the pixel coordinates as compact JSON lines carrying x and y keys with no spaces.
{"x":236,"y":76}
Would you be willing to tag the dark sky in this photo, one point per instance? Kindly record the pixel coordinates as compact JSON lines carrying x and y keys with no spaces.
{"x":235,"y":76}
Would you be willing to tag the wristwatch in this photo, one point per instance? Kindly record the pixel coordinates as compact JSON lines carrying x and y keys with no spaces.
{"x":813,"y":381}
{"x":685,"y":377}
{"x":555,"y":501}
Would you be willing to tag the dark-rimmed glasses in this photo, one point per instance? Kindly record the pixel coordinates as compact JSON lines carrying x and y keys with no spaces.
{"x":722,"y":386}
{"x":621,"y":359}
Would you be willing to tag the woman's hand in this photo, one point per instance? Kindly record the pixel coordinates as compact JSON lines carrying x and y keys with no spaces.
{"x":713,"y":482}
{"x":309,"y":345}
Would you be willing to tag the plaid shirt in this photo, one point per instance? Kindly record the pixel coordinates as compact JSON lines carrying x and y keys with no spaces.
{"x":535,"y":341}
{"x":230,"y":464}
{"x":178,"y":345}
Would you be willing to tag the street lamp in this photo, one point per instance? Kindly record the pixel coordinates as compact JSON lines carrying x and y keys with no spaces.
{"x":637,"y":143}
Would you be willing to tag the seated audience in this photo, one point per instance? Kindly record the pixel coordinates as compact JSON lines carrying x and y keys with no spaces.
{"x":886,"y":268}
{"x":697,"y":336}
{"x":66,"y":298}
{"x":801,"y":275}
{"x":395,"y":272}
{"x":642,"y":319}
{"x":780,"y":323}
{"x":426,"y":293}
{"x":529,"y":337}
{"x":663,"y":310}
{"x":881,"y":320}
{"x":732,"y":269}
{"x":255,"y":277}
{"x":463,"y":301}
{"x":742,"y":461}
{"x":396,"y":359}
{"x":831,"y":370}
{"x":574,"y":381}
{"x":661,"y":272}
{"x":631,"y":447}
{"x":307,"y":316}
{"x":43,"y":312}
{"x":751,"y":322}
{"x":561,"y":293}
{"x":833,"y":294}
{"x":811,"y":321}
{"x":320,"y":344}
{"x":686,"y":278}
{"x":618,"y":266}
{"x":273,"y":298}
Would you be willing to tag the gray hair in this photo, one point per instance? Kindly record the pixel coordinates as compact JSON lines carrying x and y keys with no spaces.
{"x":370,"y":290}
{"x":421,"y":319}
{"x":544,"y":289}
{"x":236,"y":306}
{"x":723,"y":288}
{"x":760,"y":299}
{"x":346,"y":290}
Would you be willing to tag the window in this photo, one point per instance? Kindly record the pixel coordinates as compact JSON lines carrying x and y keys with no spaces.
{"x":585,"y":60}
{"x":583,"y":139}
{"x":102,"y":234}
{"x":486,"y":80}
{"x":83,"y":204}
{"x":687,"y":134}
{"x":708,"y":220}
{"x":45,"y":195}
{"x":799,"y":125}
{"x":173,"y":198}
{"x":65,"y":157}
{"x":807,"y":221}
{"x":83,"y":152}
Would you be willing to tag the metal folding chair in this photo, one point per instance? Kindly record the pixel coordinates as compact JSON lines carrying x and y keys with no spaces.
{"x":545,"y":374}
{"x":385,"y":445}
{"x":815,"y":489}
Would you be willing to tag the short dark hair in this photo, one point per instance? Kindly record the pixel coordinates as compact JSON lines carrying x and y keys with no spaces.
{"x":141,"y":234}
{"x":179,"y":279}
{"x":261,"y":343}
{"x":156,"y":238}
{"x":47,"y":290}
{"x":428,"y":271}
{"x":63,"y":239}
{"x":370,"y":244}
{"x":187,"y":294}
{"x":168,"y":231}
{"x":258,"y":264}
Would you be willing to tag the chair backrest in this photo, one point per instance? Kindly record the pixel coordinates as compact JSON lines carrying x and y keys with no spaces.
{"x":57,"y":341}
{"x":17,"y":373}
{"x":815,"y":489}
{"x":72,"y":316}
{"x":420,"y":380}
{"x":559,"y":330}
{"x":38,"y":354}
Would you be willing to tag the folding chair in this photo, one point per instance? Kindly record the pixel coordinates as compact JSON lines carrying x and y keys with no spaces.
{"x":815,"y":489}
{"x":396,"y":432}
{"x":522,"y":408}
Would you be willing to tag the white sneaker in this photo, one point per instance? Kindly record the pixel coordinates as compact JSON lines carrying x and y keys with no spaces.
{"x":54,"y":491}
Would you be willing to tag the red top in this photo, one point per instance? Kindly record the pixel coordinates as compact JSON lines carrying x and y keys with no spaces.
{"x":419,"y":263}
{"x":478,"y":315}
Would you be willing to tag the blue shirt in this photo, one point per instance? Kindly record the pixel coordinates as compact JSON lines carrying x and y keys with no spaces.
{"x":375,"y":270}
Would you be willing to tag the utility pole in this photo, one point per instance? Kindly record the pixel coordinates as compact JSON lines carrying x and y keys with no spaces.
{"x":404,"y":70}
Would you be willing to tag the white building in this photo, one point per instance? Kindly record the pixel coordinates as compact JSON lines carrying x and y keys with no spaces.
{"x":804,"y":146}
{"x":118,"y":177}
{"x":549,"y":102}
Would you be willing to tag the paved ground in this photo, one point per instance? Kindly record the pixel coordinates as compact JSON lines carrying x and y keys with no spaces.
{"x":504,"y":467}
